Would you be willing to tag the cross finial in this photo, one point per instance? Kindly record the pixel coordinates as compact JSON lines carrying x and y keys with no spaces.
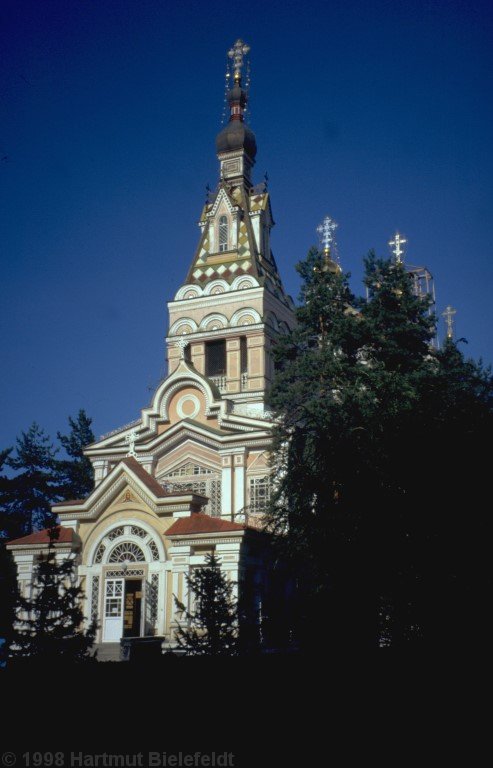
{"x":449,"y":319}
{"x":397,"y":250}
{"x":236,"y":53}
{"x":130,"y":440}
{"x":326,"y":232}
{"x":182,"y":345}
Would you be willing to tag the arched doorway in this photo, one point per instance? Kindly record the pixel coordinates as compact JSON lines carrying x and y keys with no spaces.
{"x":127,"y":565}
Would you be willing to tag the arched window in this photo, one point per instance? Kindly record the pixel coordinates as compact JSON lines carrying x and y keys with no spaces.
{"x":128,"y":551}
{"x":223,"y":233}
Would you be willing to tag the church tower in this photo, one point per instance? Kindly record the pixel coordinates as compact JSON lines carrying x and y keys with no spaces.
{"x":191,"y":476}
{"x":232,"y":304}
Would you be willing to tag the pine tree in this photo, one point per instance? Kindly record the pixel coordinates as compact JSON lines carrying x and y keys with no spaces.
{"x":212,"y":627}
{"x":8,"y":600}
{"x":76,"y":474}
{"x":380,"y":463}
{"x":50,"y":624}
{"x":6,"y":487}
{"x":8,"y":575}
{"x":321,"y":448}
{"x":35,"y":487}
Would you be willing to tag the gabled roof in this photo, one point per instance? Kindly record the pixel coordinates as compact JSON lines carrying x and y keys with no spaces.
{"x":129,"y":469}
{"x":150,"y":482}
{"x":146,"y":478}
{"x":65,"y":536}
{"x":201,"y":523}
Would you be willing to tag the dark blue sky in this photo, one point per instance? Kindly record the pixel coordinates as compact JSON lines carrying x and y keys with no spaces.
{"x":380,"y":114}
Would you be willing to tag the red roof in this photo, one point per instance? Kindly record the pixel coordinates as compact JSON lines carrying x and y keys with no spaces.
{"x":200,"y":523}
{"x":144,"y":475}
{"x":65,"y":536}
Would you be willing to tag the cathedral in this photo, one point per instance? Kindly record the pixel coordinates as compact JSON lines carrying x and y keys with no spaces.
{"x":190,"y":477}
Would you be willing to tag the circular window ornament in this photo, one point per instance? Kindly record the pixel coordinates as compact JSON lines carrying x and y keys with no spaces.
{"x":188,"y":407}
{"x":217,"y":289}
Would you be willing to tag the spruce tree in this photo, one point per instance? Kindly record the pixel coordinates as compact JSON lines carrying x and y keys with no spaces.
{"x":35,"y":486}
{"x":379,"y":459}
{"x":6,"y":487}
{"x":321,"y":449}
{"x":211,"y":628}
{"x":399,"y":328}
{"x":8,"y":575}
{"x":50,"y":624}
{"x":76,"y":474}
{"x":8,"y":600}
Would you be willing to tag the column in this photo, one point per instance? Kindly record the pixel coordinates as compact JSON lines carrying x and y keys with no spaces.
{"x":174,"y":356}
{"x":256,"y":362}
{"x":226,"y":478}
{"x":197,"y":352}
{"x":239,"y":481}
{"x":233,"y":364}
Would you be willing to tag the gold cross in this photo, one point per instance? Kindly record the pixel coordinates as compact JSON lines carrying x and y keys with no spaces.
{"x":449,"y":319}
{"x":397,"y":250}
{"x":237,"y":52}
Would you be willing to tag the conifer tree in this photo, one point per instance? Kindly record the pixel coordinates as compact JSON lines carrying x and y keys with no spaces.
{"x":321,"y":446}
{"x":363,"y":405}
{"x":6,"y":487}
{"x":8,"y":600}
{"x":211,"y":628}
{"x":76,"y":474}
{"x":35,"y":486}
{"x":50,"y":623}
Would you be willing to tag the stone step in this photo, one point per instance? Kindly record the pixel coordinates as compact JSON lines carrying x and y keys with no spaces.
{"x":107,"y":651}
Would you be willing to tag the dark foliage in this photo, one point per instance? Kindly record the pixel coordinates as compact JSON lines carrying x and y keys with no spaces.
{"x":211,"y":628}
{"x":32,"y":491}
{"x":76,"y":474}
{"x":377,"y":440}
{"x":49,"y":630}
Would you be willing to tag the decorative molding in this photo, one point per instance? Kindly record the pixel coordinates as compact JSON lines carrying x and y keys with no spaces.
{"x":185,"y":399}
{"x":231,"y":330}
{"x":184,"y":321}
{"x":217,"y":299}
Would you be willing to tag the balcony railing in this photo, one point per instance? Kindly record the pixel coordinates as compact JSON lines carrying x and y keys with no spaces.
{"x":220,"y":382}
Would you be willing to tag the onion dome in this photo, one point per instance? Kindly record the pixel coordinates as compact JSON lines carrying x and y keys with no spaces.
{"x":236,"y":135}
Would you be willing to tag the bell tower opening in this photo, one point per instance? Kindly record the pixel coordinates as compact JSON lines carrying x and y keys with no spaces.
{"x":215,"y":358}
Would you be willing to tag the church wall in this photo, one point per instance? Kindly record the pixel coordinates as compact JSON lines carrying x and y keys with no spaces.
{"x":92,"y":532}
{"x":225,"y":303}
{"x":187,"y":451}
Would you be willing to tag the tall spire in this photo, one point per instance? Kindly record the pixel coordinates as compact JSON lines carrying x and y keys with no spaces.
{"x":236,"y":140}
{"x":236,"y":219}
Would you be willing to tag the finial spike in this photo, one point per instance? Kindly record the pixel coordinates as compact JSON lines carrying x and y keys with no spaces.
{"x":397,"y":250}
